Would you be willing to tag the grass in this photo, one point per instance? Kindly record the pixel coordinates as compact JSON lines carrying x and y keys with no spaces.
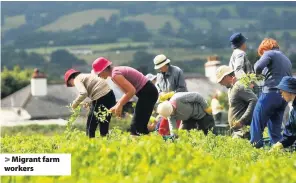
{"x":117,"y":59}
{"x":201,"y":23}
{"x":279,"y":10}
{"x":236,"y":23}
{"x":13,"y":22}
{"x":93,"y":47}
{"x":78,"y":19}
{"x":230,"y":8}
{"x":155,"y":22}
{"x":279,"y":33}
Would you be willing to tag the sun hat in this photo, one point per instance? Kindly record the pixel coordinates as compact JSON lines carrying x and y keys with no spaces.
{"x":165,"y":109}
{"x":160,"y":61}
{"x":100,"y":64}
{"x":68,"y":74}
{"x":223,"y":71}
{"x":288,"y":84}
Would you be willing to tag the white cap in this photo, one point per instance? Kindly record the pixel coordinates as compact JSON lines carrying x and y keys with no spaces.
{"x":160,"y":61}
{"x":165,"y":109}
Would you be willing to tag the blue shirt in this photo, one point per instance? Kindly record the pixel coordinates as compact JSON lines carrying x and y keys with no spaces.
{"x":274,"y":65}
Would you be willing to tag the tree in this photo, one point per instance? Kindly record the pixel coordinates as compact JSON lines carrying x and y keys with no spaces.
{"x":272,"y":35}
{"x":143,"y":62}
{"x":224,"y":14}
{"x":167,"y":29}
{"x":286,"y":36}
{"x":65,"y":59}
{"x":292,"y":58}
{"x":13,"y":80}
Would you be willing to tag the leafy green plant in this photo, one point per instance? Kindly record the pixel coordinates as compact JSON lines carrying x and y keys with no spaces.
{"x":249,"y":79}
{"x":103,"y":113}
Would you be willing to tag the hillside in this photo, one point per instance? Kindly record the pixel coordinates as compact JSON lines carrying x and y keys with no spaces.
{"x":187,"y":32}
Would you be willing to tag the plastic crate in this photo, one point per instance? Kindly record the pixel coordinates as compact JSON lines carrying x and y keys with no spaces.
{"x":222,"y":129}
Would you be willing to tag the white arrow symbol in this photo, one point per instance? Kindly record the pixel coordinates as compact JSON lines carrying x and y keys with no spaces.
{"x":6,"y":159}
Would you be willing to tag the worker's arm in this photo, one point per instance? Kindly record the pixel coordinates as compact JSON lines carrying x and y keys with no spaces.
{"x":181,"y":82}
{"x":262,"y":63}
{"x":128,"y":89}
{"x":249,"y":97}
{"x":289,"y":134}
{"x":239,"y":64}
{"x":82,"y":93}
{"x":172,"y":124}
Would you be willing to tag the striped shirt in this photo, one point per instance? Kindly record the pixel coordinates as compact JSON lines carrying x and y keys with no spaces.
{"x":89,"y":85}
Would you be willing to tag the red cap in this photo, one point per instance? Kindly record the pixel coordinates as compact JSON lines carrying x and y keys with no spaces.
{"x":100,"y":64}
{"x":68,"y":74}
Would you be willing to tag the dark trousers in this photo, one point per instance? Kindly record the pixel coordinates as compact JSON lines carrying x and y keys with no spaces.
{"x":205,"y":124}
{"x":269,"y":111}
{"x":106,"y":101}
{"x":147,"y":98}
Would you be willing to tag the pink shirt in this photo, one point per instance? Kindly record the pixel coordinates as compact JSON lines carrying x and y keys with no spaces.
{"x":136,"y":78}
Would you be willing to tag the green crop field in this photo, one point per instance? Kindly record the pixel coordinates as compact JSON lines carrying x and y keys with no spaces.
{"x":192,"y":157}
{"x":78,"y":19}
{"x":13,"y":22}
{"x":154,"y":22}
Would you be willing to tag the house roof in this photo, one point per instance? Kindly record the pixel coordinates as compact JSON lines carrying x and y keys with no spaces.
{"x":53,"y":105}
{"x":203,"y":86}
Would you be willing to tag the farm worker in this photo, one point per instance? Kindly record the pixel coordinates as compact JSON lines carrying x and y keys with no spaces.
{"x":99,"y":92}
{"x":242,"y":101}
{"x":216,"y":108}
{"x":269,"y":110}
{"x":151,"y":78}
{"x":131,"y":82}
{"x":190,"y":107}
{"x":239,"y":60}
{"x":287,"y":88}
{"x":170,"y":78}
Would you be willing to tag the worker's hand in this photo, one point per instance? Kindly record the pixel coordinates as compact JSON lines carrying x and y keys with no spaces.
{"x":208,"y":110}
{"x":86,"y":105}
{"x":237,"y":125}
{"x":117,"y":110}
{"x":152,"y":119}
{"x":74,"y":106}
{"x":276,"y":147}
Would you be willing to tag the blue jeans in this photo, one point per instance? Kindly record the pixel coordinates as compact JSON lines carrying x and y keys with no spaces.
{"x":269,"y":111}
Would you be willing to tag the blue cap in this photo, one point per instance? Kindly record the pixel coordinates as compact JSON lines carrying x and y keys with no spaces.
{"x":288,"y":84}
{"x":237,"y":39}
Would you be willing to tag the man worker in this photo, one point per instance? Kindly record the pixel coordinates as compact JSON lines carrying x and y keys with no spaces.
{"x":191,"y":108}
{"x":242,"y":101}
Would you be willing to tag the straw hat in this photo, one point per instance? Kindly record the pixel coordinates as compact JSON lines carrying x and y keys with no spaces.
{"x":160,"y":61}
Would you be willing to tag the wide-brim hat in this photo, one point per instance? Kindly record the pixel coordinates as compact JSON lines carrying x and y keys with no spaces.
{"x":288,"y":84}
{"x":100,"y":64}
{"x":160,"y":61}
{"x":223,"y":71}
{"x":68,"y":74}
{"x":237,"y":40}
